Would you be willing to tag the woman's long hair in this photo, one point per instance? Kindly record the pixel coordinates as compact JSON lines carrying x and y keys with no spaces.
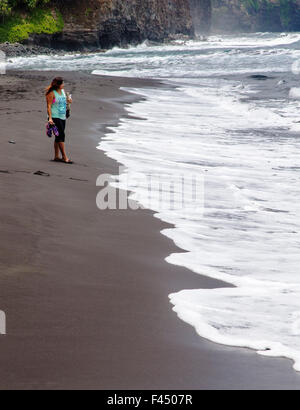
{"x":56,"y":83}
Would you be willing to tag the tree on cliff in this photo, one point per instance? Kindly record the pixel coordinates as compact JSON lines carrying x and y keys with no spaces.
{"x":8,"y":6}
{"x":4,"y":9}
{"x":29,"y":4}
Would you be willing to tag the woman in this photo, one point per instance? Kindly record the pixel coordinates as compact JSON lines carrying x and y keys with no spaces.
{"x":57,"y":110}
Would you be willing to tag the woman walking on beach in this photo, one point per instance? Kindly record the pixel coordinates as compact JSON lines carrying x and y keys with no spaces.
{"x":57,"y":114}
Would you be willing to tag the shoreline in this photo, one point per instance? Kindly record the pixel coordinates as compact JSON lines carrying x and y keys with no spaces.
{"x":86,"y":296}
{"x":13,"y":50}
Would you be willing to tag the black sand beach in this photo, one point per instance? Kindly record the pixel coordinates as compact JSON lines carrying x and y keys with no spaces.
{"x":86,"y":291}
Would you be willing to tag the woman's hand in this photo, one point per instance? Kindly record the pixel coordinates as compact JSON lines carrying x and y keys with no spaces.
{"x":51,"y":122}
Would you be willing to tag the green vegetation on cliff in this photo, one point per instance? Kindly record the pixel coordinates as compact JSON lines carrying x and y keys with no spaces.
{"x":7,"y":7}
{"x":21,"y":18}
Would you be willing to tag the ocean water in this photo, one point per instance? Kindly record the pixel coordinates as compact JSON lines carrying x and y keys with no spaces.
{"x":220,"y":121}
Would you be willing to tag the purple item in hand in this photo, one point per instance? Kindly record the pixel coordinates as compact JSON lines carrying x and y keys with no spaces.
{"x":51,"y":129}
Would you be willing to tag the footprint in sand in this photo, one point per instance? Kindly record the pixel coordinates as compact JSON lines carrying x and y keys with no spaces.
{"x":42,"y":174}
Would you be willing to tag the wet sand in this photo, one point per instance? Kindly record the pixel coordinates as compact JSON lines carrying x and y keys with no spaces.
{"x":86,"y":291}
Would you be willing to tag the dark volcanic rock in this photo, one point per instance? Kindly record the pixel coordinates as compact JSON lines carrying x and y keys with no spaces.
{"x":17,"y":49}
{"x":119,"y":32}
{"x":77,"y":40}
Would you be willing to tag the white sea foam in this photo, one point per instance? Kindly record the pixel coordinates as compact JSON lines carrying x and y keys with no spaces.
{"x":249,"y":233}
{"x":217,"y":55}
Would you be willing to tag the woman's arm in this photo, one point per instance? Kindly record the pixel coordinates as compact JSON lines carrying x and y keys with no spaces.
{"x":69,"y":98}
{"x":49,"y":99}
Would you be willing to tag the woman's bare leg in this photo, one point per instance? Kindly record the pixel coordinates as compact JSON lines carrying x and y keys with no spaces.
{"x":56,"y":150}
{"x":62,"y":150}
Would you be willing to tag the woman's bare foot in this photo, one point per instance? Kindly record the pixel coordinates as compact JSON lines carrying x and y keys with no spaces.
{"x":67,"y":160}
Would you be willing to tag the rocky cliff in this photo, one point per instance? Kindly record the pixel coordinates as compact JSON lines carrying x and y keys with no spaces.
{"x":107,"y":23}
{"x":255,"y":15}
